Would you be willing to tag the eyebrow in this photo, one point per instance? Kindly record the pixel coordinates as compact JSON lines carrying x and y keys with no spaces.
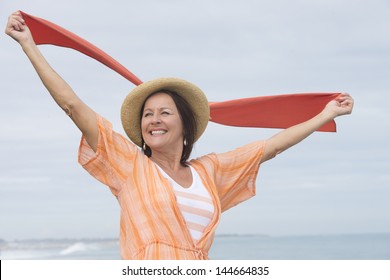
{"x":160,"y":109}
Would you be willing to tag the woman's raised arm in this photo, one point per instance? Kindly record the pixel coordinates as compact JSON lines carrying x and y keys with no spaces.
{"x":289,"y":137}
{"x":83,"y":116}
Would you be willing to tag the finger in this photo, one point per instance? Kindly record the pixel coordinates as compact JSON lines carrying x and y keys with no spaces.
{"x":347,"y":103}
{"x":341,"y":99}
{"x":343,"y":96}
{"x":17,"y":16}
{"x":18,"y":19}
{"x":16,"y":24}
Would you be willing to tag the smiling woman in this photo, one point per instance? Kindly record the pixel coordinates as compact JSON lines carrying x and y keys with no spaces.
{"x":170,"y":205}
{"x":176,"y":106}
{"x":161,"y":125}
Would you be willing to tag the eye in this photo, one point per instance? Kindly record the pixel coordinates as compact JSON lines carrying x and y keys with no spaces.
{"x":147,"y":114}
{"x":165,"y":113}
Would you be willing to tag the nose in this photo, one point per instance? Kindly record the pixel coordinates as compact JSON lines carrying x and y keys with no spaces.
{"x":156,"y":119}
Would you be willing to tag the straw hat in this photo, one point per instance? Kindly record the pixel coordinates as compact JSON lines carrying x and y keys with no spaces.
{"x":131,"y":107}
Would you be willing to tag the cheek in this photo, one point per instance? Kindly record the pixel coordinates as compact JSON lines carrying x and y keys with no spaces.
{"x":179,"y":127}
{"x":143,"y":126}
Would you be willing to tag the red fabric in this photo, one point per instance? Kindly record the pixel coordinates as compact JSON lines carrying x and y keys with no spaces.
{"x":279,"y":111}
{"x":46,"y":32}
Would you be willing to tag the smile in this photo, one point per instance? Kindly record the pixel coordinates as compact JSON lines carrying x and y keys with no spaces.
{"x":158,"y":132}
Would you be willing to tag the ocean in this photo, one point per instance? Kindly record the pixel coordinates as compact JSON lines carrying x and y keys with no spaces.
{"x":226,"y":247}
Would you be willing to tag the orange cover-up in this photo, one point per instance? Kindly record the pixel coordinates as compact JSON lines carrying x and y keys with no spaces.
{"x":278,"y":111}
{"x":161,"y":232}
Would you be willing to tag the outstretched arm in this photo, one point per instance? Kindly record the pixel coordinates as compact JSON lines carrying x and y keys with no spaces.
{"x":83,"y":116}
{"x":289,"y":137}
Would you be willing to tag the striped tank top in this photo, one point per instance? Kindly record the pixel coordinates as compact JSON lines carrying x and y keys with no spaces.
{"x":194,"y":203}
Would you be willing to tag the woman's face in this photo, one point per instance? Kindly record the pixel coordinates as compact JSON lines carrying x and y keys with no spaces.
{"x":161,"y":125}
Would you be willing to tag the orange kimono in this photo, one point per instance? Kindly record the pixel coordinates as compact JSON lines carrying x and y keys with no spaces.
{"x":151,"y":224}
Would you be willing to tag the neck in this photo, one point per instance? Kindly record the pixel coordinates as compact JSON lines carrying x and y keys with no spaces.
{"x":167,"y":161}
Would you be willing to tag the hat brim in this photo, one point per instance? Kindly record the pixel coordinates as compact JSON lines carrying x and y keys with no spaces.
{"x":131,"y":107}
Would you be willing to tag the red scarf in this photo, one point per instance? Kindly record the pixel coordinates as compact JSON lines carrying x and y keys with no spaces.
{"x":278,"y":111}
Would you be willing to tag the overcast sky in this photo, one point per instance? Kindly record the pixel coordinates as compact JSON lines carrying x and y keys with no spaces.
{"x":332,"y":183}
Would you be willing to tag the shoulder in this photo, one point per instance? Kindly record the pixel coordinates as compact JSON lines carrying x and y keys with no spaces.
{"x":243,"y":153}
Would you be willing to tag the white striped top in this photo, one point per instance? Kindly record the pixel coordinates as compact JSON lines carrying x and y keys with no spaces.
{"x":194,"y":203}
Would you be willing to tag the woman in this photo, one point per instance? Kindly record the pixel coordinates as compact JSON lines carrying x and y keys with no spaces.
{"x":170,"y":206}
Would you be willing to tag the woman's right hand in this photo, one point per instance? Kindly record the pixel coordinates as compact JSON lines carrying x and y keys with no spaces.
{"x":17,"y":29}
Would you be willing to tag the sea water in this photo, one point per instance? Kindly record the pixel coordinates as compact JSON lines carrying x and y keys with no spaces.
{"x":319,"y":247}
{"x":225,"y":247}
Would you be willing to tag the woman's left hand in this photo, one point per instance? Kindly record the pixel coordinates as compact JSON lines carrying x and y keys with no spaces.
{"x":342,"y":105}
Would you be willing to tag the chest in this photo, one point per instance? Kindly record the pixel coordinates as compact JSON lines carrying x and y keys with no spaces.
{"x":183,"y":177}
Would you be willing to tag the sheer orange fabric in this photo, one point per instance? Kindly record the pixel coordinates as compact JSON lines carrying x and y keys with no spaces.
{"x":151,"y":223}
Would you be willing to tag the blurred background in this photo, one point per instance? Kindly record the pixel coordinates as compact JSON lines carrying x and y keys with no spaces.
{"x":333,"y":185}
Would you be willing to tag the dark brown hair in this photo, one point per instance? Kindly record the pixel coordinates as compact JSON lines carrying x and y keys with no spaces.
{"x":189,"y":124}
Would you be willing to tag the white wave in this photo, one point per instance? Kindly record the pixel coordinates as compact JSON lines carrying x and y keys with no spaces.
{"x":77,"y":247}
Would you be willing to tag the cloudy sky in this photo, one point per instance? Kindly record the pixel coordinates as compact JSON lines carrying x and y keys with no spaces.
{"x":331,"y":183}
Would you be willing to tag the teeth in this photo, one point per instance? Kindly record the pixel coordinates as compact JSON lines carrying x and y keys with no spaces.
{"x":158,"y":132}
